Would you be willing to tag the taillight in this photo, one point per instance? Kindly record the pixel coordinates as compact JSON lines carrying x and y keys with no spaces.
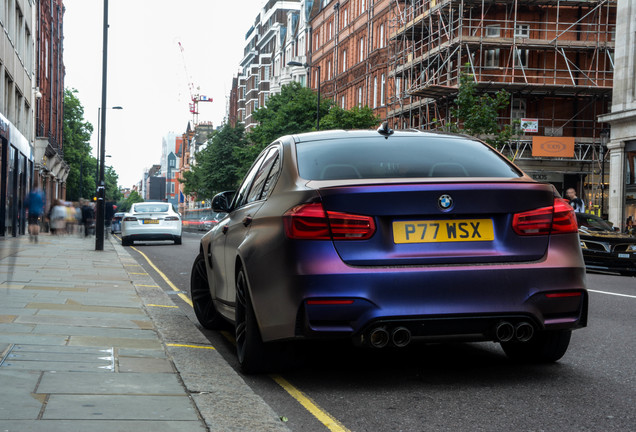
{"x":555,"y":219}
{"x":130,"y":219}
{"x":311,"y":222}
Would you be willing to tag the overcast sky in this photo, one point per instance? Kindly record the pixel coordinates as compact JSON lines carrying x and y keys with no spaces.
{"x":146,"y":68}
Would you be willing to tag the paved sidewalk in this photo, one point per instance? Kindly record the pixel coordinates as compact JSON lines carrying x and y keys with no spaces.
{"x":86,"y":344}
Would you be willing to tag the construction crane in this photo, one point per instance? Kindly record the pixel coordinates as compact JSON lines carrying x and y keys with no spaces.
{"x":195,"y":97}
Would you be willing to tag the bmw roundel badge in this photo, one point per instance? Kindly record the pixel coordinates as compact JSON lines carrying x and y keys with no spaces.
{"x":445,"y":202}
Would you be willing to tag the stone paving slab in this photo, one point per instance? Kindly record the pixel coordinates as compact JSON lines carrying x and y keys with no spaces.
{"x":19,"y":402}
{"x":122,"y":384}
{"x":119,"y":407}
{"x":100,"y":426}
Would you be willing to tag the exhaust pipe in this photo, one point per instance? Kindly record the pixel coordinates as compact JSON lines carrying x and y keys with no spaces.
{"x":504,"y":331}
{"x":379,"y":337}
{"x":524,"y":331}
{"x":401,"y":337}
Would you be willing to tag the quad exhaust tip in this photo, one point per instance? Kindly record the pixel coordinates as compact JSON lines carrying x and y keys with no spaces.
{"x":506,"y":331}
{"x":380,"y":337}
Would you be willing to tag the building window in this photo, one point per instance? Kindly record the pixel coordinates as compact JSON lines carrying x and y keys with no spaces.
{"x":342,"y":102}
{"x":492,"y":31}
{"x":375,"y":92}
{"x":360,"y":96}
{"x":345,"y":17}
{"x":398,"y":83}
{"x":362,"y":49}
{"x":521,"y":57}
{"x":382,"y":86}
{"x":518,"y":109}
{"x":330,"y":30}
{"x":522,"y":30}
{"x":492,"y":58}
{"x":329,"y":70}
{"x":344,"y":60}
{"x":381,"y":36}
{"x":363,"y":6}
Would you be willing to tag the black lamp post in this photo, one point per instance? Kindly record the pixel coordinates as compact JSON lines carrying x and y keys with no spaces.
{"x":99,"y":217}
{"x":308,"y":66}
{"x":99,"y":111}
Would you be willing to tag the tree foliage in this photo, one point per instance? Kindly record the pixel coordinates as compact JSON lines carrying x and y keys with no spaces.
{"x":476,"y":114}
{"x":291,"y":111}
{"x":355,"y":118}
{"x":219,"y":165}
{"x":76,"y":134}
{"x":81,"y":180}
{"x":125,"y":204}
{"x":230,"y":152}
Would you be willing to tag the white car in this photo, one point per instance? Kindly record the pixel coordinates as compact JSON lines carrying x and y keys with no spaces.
{"x":151,"y":221}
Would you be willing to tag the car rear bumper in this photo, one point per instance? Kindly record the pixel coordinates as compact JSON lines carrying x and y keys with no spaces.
{"x":327,"y":298}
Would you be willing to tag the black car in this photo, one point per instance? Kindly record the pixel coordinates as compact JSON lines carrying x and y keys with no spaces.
{"x":605,"y":249}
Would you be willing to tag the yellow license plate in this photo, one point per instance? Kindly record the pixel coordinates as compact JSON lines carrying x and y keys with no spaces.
{"x":151,"y":221}
{"x":437,"y":231}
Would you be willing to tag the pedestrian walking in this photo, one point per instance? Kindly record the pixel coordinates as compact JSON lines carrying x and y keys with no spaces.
{"x":58,"y":218}
{"x":88,"y":217}
{"x":35,"y":207}
{"x":577,"y":203}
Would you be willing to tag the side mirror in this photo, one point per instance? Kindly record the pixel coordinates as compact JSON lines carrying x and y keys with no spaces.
{"x":221,"y":202}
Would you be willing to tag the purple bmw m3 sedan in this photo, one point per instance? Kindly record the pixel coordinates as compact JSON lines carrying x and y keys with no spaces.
{"x":388,"y":238}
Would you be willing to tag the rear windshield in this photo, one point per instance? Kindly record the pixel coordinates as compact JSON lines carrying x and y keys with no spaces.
{"x":151,"y":208}
{"x":399,"y":157}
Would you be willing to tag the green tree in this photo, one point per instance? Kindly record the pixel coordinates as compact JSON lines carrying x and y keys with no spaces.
{"x":77,"y":149}
{"x":124,"y":205}
{"x":476,"y":114}
{"x":355,"y":118}
{"x":219,"y":165}
{"x":112,"y":189}
{"x":291,"y":111}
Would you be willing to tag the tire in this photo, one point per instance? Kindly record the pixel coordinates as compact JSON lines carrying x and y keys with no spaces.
{"x":177,"y":240}
{"x":250,"y":349}
{"x":125,"y":241}
{"x":202,"y":302}
{"x":545,"y":347}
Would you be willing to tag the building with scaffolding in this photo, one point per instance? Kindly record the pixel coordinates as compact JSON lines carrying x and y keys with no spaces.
{"x":554,"y":58}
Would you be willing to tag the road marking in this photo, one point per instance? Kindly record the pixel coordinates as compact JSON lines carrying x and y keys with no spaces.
{"x":192,"y":346}
{"x":164,"y":306}
{"x":331,"y":423}
{"x":146,"y":274}
{"x":611,"y":293}
{"x":148,"y":286}
{"x":164,"y":277}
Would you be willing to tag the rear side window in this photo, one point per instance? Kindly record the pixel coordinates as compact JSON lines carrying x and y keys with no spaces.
{"x":151,"y":208}
{"x":399,"y":157}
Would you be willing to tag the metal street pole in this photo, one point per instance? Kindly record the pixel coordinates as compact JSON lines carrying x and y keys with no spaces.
{"x":99,"y":217}
{"x":318,"y":109}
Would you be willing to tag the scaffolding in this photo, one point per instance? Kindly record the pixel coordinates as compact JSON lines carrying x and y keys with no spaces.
{"x":554,"y":58}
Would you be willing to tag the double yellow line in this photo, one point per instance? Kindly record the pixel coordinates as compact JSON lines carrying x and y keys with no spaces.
{"x":321,"y":415}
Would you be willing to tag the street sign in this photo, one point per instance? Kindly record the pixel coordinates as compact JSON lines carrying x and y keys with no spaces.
{"x":530,"y":125}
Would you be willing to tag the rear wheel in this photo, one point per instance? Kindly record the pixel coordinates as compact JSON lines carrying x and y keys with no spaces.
{"x":250,"y":349}
{"x":545,"y":347}
{"x":177,"y":240}
{"x":125,"y":241}
{"x":202,"y":302}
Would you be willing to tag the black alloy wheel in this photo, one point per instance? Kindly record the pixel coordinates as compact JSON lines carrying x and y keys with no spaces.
{"x":202,"y":302}
{"x":250,"y":348}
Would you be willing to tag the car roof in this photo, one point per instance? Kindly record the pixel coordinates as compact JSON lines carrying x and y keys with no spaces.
{"x":366,"y":133}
